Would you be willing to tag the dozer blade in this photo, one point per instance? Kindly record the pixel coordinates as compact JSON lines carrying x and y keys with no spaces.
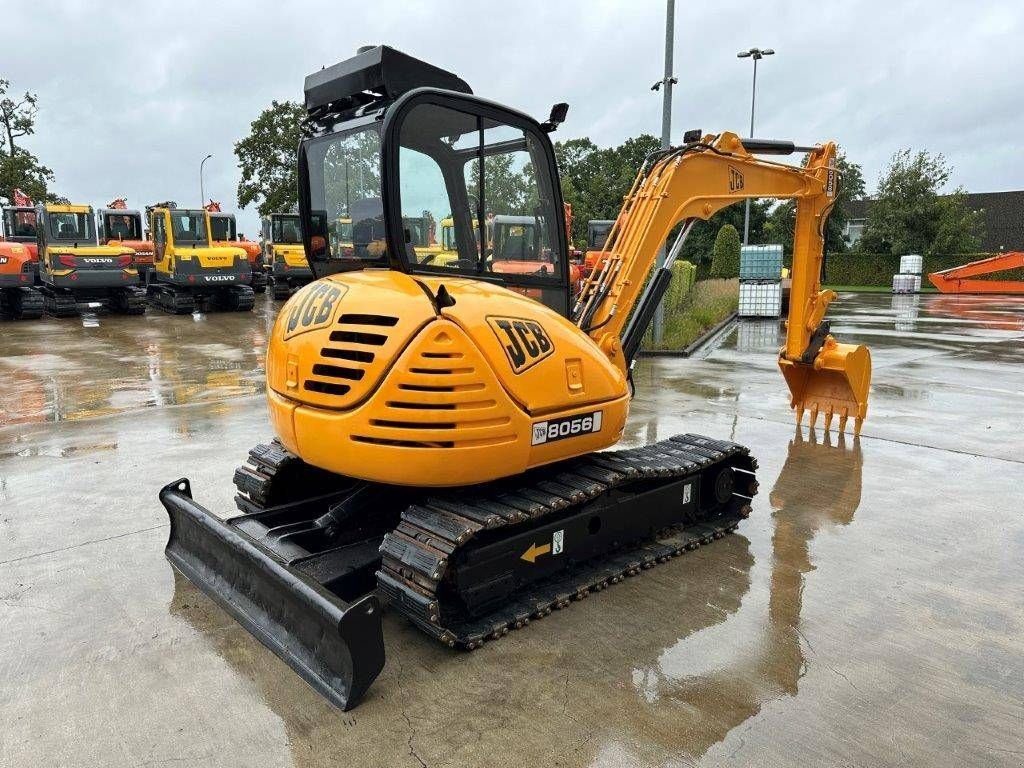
{"x":335,"y":646}
{"x":835,"y":385}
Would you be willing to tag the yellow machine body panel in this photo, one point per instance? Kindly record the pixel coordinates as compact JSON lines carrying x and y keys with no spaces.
{"x":437,"y":396}
{"x":292,"y":255}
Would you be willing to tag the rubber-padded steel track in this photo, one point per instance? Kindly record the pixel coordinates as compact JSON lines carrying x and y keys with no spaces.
{"x":21,"y":303}
{"x":58,"y":302}
{"x":422,"y":556}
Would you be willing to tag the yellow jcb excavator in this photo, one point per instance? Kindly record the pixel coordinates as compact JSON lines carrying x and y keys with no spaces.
{"x":440,"y":435}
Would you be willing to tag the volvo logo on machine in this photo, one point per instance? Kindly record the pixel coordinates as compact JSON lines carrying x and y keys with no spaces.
{"x":525,"y":341}
{"x":219,"y":278}
{"x":96,"y":260}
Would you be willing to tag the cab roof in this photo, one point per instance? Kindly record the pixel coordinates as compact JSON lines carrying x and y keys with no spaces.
{"x":373,"y":74}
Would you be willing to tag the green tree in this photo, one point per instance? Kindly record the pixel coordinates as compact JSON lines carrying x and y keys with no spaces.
{"x":19,"y":168}
{"x":595,"y":180}
{"x":267,"y":158}
{"x":726,"y":261}
{"x":507,"y":191}
{"x":700,"y":243}
{"x":782,"y":219}
{"x":907,"y":215}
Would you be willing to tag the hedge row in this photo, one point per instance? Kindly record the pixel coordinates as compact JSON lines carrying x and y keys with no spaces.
{"x":684,"y":274}
{"x":878,"y":269}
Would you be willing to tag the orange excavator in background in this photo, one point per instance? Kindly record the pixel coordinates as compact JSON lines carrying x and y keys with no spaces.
{"x":19,"y":223}
{"x":20,"y":299}
{"x":963,"y":279}
{"x":120,"y":226}
{"x":224,"y":232}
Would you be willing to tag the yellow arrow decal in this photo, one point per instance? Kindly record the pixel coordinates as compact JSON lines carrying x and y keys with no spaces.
{"x":534,"y":552}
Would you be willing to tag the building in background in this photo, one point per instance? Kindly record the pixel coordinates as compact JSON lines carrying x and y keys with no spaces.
{"x":1003,"y":214}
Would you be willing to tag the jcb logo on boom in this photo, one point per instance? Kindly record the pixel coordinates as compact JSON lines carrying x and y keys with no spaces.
{"x":313,"y":307}
{"x":525,"y":342}
{"x":735,"y":180}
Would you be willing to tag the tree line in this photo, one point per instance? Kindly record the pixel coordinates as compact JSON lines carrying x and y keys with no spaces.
{"x":907,"y":214}
{"x":19,"y":168}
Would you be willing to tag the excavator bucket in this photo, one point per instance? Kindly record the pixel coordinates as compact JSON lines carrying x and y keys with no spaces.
{"x":335,"y":646}
{"x":836,"y":384}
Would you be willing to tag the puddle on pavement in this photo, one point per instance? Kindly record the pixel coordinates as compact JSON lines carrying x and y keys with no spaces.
{"x":100,"y":365}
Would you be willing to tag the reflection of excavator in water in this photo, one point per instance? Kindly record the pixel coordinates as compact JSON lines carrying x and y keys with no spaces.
{"x":439,"y":433}
{"x":724,"y":691}
{"x":224,"y":234}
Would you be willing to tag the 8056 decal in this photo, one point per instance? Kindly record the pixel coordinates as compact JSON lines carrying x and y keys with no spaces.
{"x":571,"y":426}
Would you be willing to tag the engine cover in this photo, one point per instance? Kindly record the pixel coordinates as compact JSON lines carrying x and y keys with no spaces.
{"x":369,"y":377}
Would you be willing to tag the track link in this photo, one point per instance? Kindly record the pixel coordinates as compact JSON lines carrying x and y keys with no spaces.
{"x":129,"y":301}
{"x":418,"y":555}
{"x":58,"y":303}
{"x":21,"y":303}
{"x":168,"y":299}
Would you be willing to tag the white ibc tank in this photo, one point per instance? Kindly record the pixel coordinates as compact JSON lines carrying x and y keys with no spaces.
{"x":906,"y":283}
{"x":760,"y":299}
{"x":910,"y":264}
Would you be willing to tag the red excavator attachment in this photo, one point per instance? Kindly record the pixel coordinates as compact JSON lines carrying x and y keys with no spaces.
{"x":959,"y":279}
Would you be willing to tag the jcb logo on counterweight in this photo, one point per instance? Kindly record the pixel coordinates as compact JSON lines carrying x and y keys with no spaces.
{"x":525,"y":342}
{"x":313,"y":307}
{"x":735,"y":179}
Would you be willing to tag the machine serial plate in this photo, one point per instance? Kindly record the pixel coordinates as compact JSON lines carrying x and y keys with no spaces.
{"x":570,"y":426}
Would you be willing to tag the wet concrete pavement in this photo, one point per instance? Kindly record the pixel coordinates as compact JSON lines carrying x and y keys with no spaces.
{"x":870,"y":612}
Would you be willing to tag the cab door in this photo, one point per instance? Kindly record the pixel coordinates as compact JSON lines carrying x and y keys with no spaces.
{"x":159,"y":227}
{"x":455,"y":157}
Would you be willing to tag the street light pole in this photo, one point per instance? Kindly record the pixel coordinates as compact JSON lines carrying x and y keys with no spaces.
{"x":756,"y":54}
{"x":202,"y":191}
{"x":666,"y":133}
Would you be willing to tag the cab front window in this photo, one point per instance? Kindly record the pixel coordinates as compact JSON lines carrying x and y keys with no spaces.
{"x":70,"y":227}
{"x":118,"y":226}
{"x":222,"y":227}
{"x":188,"y":227}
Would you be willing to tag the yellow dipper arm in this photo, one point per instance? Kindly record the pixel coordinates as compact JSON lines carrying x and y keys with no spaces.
{"x":694,"y":182}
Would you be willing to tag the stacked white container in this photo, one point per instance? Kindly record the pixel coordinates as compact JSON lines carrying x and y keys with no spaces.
{"x":909,"y":278}
{"x":760,"y":281}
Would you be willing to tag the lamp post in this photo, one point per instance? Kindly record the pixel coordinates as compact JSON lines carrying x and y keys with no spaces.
{"x":756,"y":54}
{"x":202,"y":191}
{"x":666,"y":133}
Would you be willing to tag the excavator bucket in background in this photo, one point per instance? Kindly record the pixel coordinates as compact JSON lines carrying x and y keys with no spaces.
{"x":835,"y":385}
{"x":336,"y":646}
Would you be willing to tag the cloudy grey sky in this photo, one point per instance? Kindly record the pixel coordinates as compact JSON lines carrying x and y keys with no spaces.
{"x":132,"y":98}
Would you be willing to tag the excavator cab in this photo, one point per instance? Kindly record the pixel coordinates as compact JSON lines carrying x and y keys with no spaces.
{"x":443,"y":154}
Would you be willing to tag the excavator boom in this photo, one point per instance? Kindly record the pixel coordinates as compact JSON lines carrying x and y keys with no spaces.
{"x":693,"y":182}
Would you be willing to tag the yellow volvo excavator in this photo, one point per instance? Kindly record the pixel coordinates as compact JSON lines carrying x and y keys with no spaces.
{"x":439,"y":434}
{"x":189,"y":272}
